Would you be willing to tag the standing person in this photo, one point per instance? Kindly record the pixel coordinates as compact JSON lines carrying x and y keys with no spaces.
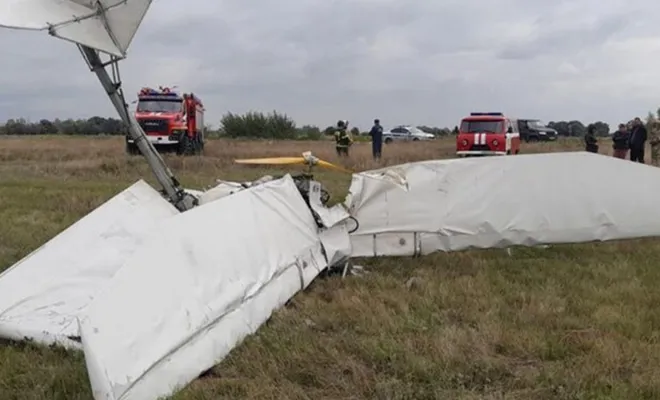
{"x":376,"y":134}
{"x":654,"y":141}
{"x":590,"y":140}
{"x":638,"y":138}
{"x":343,"y":138}
{"x":620,"y":141}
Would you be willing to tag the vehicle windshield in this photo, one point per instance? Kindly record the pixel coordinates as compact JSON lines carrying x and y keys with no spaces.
{"x":492,"y":126}
{"x":167,"y":106}
{"x":415,"y":131}
{"x":535,"y":124}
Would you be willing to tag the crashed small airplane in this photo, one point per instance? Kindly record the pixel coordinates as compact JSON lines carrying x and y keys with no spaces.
{"x":208,"y":288}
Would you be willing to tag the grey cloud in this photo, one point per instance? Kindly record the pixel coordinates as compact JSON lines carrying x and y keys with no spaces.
{"x":405,"y":62}
{"x":573,"y":38}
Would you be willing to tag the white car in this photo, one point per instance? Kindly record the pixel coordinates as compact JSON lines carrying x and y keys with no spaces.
{"x":406,"y":133}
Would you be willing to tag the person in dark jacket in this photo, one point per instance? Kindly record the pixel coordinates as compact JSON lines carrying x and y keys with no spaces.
{"x":638,"y":138}
{"x":590,"y":140}
{"x":376,"y":134}
{"x":620,"y":141}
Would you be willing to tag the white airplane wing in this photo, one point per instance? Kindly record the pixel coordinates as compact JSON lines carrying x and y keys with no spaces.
{"x":105,"y":25}
{"x":525,"y":200}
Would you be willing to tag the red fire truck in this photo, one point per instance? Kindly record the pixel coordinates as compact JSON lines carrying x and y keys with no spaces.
{"x":487,"y":133}
{"x":170,"y":120}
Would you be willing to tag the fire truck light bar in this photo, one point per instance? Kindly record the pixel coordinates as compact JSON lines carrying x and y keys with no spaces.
{"x":153,"y":92}
{"x":476,"y":114}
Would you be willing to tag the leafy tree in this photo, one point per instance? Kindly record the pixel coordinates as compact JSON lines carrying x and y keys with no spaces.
{"x":309,"y":132}
{"x":258,"y":125}
{"x":568,"y":128}
{"x":602,"y":128}
{"x":91,"y":126}
{"x":435,"y":130}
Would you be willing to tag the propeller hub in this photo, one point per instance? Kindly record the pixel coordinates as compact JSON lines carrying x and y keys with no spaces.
{"x":309,"y":158}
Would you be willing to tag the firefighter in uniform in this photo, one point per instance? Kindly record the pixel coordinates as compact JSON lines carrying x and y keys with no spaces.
{"x":655,"y":143}
{"x":590,"y":140}
{"x":343,"y":139}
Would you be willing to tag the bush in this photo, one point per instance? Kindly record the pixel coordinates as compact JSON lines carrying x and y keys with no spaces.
{"x":309,"y":132}
{"x":258,"y":125}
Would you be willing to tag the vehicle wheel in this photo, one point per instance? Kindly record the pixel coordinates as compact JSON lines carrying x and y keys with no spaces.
{"x":200,"y":148}
{"x":186,"y":146}
{"x":508,"y":152}
{"x":415,"y":139}
{"x":518,"y":151}
{"x":132,"y":149}
{"x":388,"y":141}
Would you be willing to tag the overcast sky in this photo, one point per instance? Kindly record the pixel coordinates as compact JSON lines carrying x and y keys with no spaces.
{"x":405,"y":62}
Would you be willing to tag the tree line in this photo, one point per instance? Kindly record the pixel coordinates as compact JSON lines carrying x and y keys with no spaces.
{"x":257,"y":125}
{"x":90,"y":127}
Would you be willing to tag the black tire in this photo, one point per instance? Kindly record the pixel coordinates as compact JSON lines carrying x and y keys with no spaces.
{"x":201,"y":140}
{"x":132,"y":149}
{"x":190,"y":147}
{"x":388,"y":140}
{"x":185,"y":146}
{"x":415,"y":139}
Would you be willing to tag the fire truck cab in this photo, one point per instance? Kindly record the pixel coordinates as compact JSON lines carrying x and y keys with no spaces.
{"x":170,"y":121}
{"x":490,"y":133}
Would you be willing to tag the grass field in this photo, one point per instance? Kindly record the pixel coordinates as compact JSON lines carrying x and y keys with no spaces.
{"x":567,"y":322}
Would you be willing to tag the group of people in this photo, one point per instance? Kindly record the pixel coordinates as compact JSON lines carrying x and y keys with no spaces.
{"x":630,"y":139}
{"x":344,"y":139}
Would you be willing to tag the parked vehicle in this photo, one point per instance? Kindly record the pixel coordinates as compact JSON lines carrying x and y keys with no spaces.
{"x":406,"y":133}
{"x":533,"y":130}
{"x":484,"y":134}
{"x":170,"y":120}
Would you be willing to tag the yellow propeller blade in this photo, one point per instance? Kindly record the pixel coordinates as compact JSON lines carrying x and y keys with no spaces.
{"x":292,"y":161}
{"x":328,"y":165}
{"x":273,"y":161}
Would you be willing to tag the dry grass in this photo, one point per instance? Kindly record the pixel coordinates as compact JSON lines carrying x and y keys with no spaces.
{"x":569,"y":322}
